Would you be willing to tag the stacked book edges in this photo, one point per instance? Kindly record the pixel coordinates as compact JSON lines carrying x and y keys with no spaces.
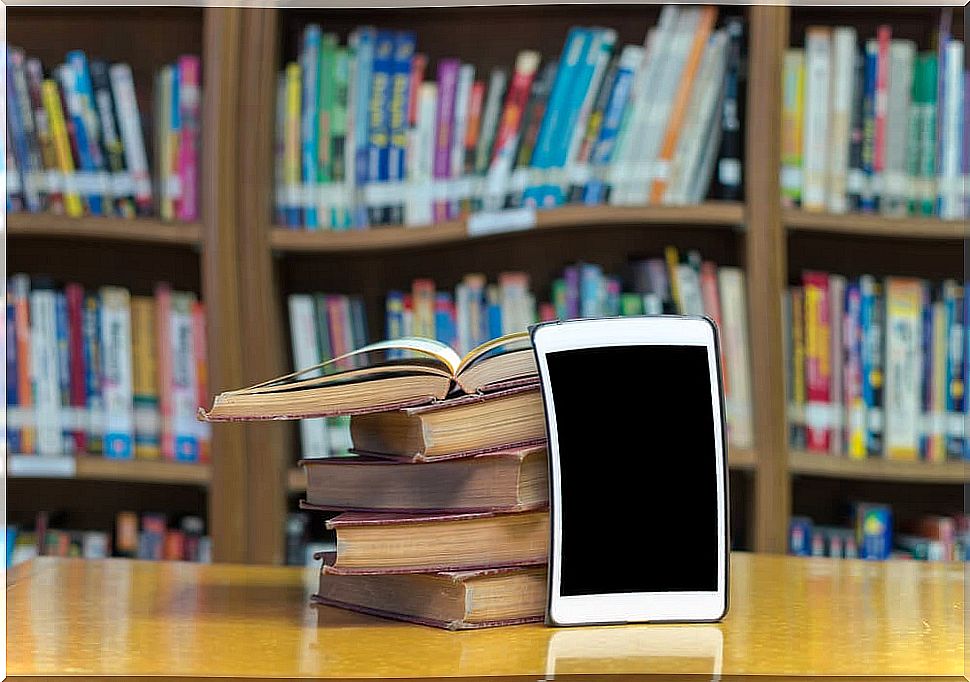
{"x":444,"y":496}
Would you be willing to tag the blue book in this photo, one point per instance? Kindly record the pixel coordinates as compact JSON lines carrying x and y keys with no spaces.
{"x":574,"y":50}
{"x":64,"y":367}
{"x":310,"y":118}
{"x":13,"y":434}
{"x":869,"y":201}
{"x":67,"y":80}
{"x":956,"y":366}
{"x":18,"y":139}
{"x":926,"y":387}
{"x":602,"y":151}
{"x":91,"y":331}
{"x":379,"y":120}
{"x":591,"y":287}
{"x":85,"y":91}
{"x":11,"y":543}
{"x":362,"y":41}
{"x":873,"y":319}
{"x":493,"y":314}
{"x":445,"y":329}
{"x":404,"y":47}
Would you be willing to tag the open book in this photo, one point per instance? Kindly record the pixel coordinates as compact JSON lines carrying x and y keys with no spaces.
{"x":382,"y":376}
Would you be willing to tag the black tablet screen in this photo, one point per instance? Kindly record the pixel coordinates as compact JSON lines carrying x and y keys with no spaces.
{"x":637,"y":462}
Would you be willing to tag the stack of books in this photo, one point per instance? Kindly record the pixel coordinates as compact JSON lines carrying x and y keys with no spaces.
{"x":877,"y":367}
{"x":365,"y":137}
{"x":444,"y":500}
{"x":881,"y":129}
{"x":76,"y":146}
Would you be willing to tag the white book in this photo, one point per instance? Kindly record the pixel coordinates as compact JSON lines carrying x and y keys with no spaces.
{"x":306,"y":353}
{"x":843,"y":74}
{"x":184,"y":386}
{"x":420,"y":158}
{"x":815,"y":140}
{"x":730,"y":283}
{"x":46,"y":372}
{"x":466,"y":76}
{"x":902,"y":394}
{"x":116,"y":373}
{"x":625,"y":172}
{"x":895,"y":187}
{"x":836,"y":357}
{"x":689,"y":286}
{"x":129,"y":125}
{"x":701,"y":116}
{"x":952,"y":121}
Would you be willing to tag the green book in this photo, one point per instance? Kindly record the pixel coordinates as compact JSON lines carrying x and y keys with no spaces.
{"x":925,"y":100}
{"x":340,"y":76}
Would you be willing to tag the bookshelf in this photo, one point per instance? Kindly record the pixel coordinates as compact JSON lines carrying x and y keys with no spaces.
{"x":95,"y":468}
{"x":244,"y":266}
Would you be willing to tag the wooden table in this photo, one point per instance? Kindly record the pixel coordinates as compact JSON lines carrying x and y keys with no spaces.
{"x":788,"y":617}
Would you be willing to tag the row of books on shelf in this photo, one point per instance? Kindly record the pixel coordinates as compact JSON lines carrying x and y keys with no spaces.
{"x":75,"y":141}
{"x":326,"y":326}
{"x":871,"y":535}
{"x":148,"y":535}
{"x":364,"y":138}
{"x":102,"y":372}
{"x":877,"y":130}
{"x":877,"y":368}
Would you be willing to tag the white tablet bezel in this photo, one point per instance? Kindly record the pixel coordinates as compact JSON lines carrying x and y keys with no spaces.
{"x":633,"y":606}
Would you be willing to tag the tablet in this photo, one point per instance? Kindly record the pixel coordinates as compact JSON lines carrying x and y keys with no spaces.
{"x":638,"y":470}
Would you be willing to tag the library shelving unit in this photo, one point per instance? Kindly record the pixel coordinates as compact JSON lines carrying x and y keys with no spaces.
{"x":245,"y":267}
{"x":137,"y":253}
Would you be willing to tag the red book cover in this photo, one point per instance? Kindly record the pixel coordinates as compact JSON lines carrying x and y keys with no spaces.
{"x":418,"y":65}
{"x":338,"y":329}
{"x":515,"y":101}
{"x":818,"y":361}
{"x":163,"y":309}
{"x":883,"y":36}
{"x":201,"y":372}
{"x":74,"y":293}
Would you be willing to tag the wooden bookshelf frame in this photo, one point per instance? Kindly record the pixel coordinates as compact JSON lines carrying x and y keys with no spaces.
{"x":244,"y":264}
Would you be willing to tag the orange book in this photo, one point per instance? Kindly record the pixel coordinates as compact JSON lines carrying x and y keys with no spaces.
{"x":679,"y":108}
{"x":21,"y":289}
{"x":201,"y":373}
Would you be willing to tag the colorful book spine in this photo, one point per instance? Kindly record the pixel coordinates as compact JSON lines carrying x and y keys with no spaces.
{"x":895,"y":189}
{"x":63,"y":351}
{"x":935,"y":332}
{"x":379,"y":119}
{"x":490,"y":119}
{"x":67,"y":79}
{"x":311,"y":66}
{"x":818,"y":361}
{"x":905,"y":299}
{"x":869,"y":198}
{"x":873,"y":319}
{"x":144,"y":350}
{"x":163,"y":327}
{"x":185,"y":392}
{"x":855,"y":413}
{"x":190,"y":115}
{"x":955,"y":302}
{"x":733,"y":307}
{"x":340,"y":217}
{"x":444,"y":123}
{"x":729,"y":164}
{"x":117,"y":373}
{"x":201,"y":357}
{"x":837,"y":287}
{"x":952,"y":130}
{"x":45,"y":371}
{"x":843,"y":70}
{"x":306,"y":354}
{"x":400,"y":95}
{"x":74,"y":298}
{"x":855,"y":176}
{"x":94,"y":399}
{"x":291,"y":154}
{"x":15,"y":414}
{"x":113,"y":148}
{"x":132,"y":140}
{"x":463,"y":88}
{"x":883,"y":36}
{"x":19,"y":292}
{"x":62,"y":147}
{"x":818,"y":70}
{"x":925,"y":104}
{"x":22,"y":130}
{"x":362,"y":42}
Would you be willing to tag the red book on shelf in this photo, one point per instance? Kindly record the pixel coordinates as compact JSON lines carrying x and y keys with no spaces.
{"x":818,"y":361}
{"x":883,"y":36}
{"x":201,"y":372}
{"x":74,"y":293}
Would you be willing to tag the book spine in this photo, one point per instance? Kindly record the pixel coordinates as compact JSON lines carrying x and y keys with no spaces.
{"x":883,"y":35}
{"x":444,"y":121}
{"x":679,"y":105}
{"x":869,"y":200}
{"x":535,"y":111}
{"x":291,"y":159}
{"x":818,"y":367}
{"x":423,"y":295}
{"x":379,"y":119}
{"x":490,"y":120}
{"x":94,"y":398}
{"x":818,"y":68}
{"x":895,"y":189}
{"x":45,"y":140}
{"x":170,"y":176}
{"x":855,"y":177}
{"x":733,"y":306}
{"x":133,"y":142}
{"x":950,"y":189}
{"x":114,"y":151}
{"x":904,"y":302}
{"x":324,"y":64}
{"x":74,"y":296}
{"x":362,"y":42}
{"x":163,"y":326}
{"x":116,"y":372}
{"x":19,"y":292}
{"x":63,"y":349}
{"x":45,"y":371}
{"x":190,"y":113}
{"x":185,"y":392}
{"x":14,"y":426}
{"x":324,"y":333}
{"x":507,"y":135}
{"x":280,"y":194}
{"x":200,"y":357}
{"x":23,"y":132}
{"x":796,"y":419}
{"x":729,"y":164}
{"x":74,"y":107}
{"x":593,"y":126}
{"x":872,"y":314}
{"x":463,"y":86}
{"x":956,"y":370}
{"x":840,"y":126}
{"x":925,"y":199}
{"x":852,"y":374}
{"x":313,"y":79}
{"x":837,"y":285}
{"x":421,"y":157}
{"x":935,"y":330}
{"x":306,"y":353}
{"x":144,"y":350}
{"x":394,"y":315}
{"x":419,"y":64}
{"x":341,"y":170}
{"x":476,"y":104}
{"x":400,"y":95}
{"x":62,"y":147}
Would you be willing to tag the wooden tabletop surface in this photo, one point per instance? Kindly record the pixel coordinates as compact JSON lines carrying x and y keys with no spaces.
{"x":788,"y":617}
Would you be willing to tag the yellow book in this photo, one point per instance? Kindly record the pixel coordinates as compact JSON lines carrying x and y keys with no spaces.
{"x":936,"y":427}
{"x":291,"y":151}
{"x":164,"y":141}
{"x":62,"y":146}
{"x":902,"y":394}
{"x":793,"y":87}
{"x":672,"y":256}
{"x":144,"y":344}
